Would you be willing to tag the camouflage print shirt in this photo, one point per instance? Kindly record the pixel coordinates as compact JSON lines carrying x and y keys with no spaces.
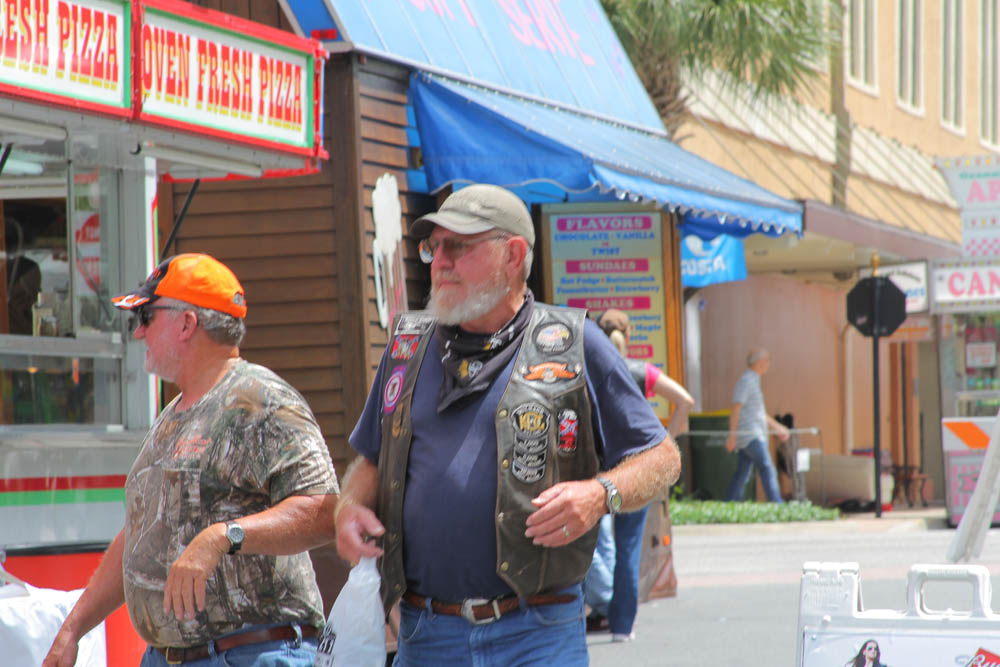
{"x":249,"y":443}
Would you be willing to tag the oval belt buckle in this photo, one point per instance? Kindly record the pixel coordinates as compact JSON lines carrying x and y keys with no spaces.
{"x":468,"y":614}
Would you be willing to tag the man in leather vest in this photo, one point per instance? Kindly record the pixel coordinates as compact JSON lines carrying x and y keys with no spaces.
{"x":497,"y":433}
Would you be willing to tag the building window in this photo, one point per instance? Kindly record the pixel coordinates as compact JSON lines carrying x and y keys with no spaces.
{"x":909,"y":73}
{"x":988,"y":124}
{"x":952,"y":98}
{"x":861,"y":42}
{"x":61,"y":341}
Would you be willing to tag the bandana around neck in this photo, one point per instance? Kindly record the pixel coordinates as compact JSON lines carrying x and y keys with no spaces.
{"x":471,"y":361}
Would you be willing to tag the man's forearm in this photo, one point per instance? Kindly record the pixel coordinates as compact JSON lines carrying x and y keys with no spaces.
{"x":104,"y":593}
{"x":296,"y":524}
{"x":360,"y":485}
{"x":642,"y":477}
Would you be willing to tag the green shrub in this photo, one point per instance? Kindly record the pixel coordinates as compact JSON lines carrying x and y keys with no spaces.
{"x":686,"y":512}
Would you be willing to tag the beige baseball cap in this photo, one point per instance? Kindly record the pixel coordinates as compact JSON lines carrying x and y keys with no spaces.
{"x":479,"y":208}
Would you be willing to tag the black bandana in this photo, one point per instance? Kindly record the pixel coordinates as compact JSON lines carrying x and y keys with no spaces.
{"x":471,"y":361}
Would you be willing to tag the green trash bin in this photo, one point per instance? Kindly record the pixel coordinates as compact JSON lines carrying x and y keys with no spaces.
{"x":711,"y":465}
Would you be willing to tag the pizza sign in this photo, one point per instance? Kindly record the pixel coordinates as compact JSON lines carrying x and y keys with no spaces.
{"x":67,"y":49}
{"x":198,"y":74}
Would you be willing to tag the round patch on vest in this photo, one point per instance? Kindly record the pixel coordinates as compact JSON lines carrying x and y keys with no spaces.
{"x":393,"y":388}
{"x":569,"y":426}
{"x":530,"y":420}
{"x":553,"y":337}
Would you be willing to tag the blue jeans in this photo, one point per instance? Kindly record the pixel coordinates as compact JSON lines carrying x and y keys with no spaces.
{"x":599,"y":584}
{"x":548,"y":635}
{"x":628,"y":549}
{"x":280,"y":653}
{"x":754,"y":454}
{"x":613,"y":583}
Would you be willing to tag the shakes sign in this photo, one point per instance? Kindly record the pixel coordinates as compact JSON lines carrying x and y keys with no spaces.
{"x":168,"y":63}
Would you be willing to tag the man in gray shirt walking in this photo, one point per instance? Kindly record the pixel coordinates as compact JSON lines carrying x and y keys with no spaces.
{"x":748,"y":425}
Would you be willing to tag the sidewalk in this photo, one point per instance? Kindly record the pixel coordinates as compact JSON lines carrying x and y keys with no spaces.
{"x":899,"y":519}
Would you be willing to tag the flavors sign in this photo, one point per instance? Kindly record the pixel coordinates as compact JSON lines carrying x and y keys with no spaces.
{"x":64,"y":49}
{"x":195,"y":74}
{"x":613,"y":259}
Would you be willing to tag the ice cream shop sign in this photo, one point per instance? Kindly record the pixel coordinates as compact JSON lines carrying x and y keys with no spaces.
{"x":168,"y":63}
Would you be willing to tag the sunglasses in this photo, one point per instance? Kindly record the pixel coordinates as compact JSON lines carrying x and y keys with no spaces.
{"x":453,"y":248}
{"x":144,"y":315}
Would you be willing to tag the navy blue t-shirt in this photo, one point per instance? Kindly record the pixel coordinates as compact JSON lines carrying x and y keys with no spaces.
{"x":449,"y":537}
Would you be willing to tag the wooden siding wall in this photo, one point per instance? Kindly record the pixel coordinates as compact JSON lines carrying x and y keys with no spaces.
{"x":302,"y":246}
{"x":385,"y":125}
{"x":280,"y":237}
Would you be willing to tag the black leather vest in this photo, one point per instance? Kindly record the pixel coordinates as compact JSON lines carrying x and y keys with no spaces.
{"x":544,"y":437}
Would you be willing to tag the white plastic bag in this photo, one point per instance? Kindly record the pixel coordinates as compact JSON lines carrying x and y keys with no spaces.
{"x":355,"y":631}
{"x":29,"y":620}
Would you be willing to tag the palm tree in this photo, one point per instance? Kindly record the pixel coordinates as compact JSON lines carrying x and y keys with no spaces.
{"x":772,"y":45}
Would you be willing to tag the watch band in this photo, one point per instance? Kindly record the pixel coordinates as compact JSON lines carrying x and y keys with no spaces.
{"x":614,"y":498}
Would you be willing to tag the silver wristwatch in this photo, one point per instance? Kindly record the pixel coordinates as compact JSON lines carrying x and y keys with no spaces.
{"x":234,"y":533}
{"x":614,"y":500}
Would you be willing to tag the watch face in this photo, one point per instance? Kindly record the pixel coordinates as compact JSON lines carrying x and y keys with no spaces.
{"x":615,"y":501}
{"x":234,"y":533}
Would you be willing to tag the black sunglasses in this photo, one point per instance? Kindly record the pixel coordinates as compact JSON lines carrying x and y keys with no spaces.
{"x":144,"y":315}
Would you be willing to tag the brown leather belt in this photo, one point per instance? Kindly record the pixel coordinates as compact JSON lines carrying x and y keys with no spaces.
{"x":481,"y":610}
{"x":178,"y":656}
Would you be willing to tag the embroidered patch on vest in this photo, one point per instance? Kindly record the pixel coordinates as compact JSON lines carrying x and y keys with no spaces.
{"x":414,"y":324}
{"x":530,"y":420}
{"x":527,"y":474}
{"x":404,"y":346}
{"x":553,"y":337}
{"x":393,"y":388}
{"x":528,"y":454}
{"x":569,"y":424}
{"x":549,"y":372}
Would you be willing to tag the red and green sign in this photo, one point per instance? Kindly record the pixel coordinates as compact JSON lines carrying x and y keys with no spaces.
{"x":168,"y":63}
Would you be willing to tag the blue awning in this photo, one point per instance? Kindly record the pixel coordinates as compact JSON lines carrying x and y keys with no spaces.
{"x":472,"y":134}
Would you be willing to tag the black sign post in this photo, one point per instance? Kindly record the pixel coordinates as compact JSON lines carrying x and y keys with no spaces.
{"x":876,"y":307}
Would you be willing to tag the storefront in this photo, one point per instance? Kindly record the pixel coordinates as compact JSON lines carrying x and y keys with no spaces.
{"x":99,"y":102}
{"x":966,"y":298}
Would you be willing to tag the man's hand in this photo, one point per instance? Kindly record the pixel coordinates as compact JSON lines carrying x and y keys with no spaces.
{"x":355,"y":523}
{"x":184,"y":593}
{"x":783,"y":432}
{"x":731,"y":443}
{"x":565,"y":512}
{"x":63,"y":651}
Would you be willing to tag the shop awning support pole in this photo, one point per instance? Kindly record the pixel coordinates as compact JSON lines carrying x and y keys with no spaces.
{"x":179,"y":219}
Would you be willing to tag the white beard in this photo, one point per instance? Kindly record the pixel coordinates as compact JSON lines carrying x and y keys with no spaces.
{"x":482,"y":300}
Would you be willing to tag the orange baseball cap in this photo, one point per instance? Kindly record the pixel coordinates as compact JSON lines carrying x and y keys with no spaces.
{"x":194,"y":278}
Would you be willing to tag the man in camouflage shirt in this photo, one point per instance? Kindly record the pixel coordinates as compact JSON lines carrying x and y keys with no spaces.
{"x":231,"y":487}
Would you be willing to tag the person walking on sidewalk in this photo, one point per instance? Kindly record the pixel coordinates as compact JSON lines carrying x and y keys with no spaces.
{"x":748,"y":426}
{"x":483,"y":442}
{"x":612,"y":585}
{"x":232,"y":484}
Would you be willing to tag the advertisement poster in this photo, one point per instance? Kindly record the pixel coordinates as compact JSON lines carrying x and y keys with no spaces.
{"x":931,"y":646}
{"x":602,"y":260}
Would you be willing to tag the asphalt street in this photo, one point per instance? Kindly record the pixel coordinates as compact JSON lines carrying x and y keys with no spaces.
{"x":738,"y":586}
